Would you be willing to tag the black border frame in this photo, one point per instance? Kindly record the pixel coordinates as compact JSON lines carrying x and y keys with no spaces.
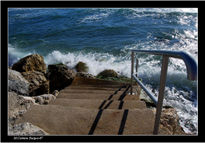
{"x":97,"y":4}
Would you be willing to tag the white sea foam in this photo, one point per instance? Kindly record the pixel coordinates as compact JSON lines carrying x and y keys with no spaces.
{"x":148,"y":69}
{"x":95,"y":17}
{"x":15,"y":54}
{"x":96,"y":62}
{"x":166,"y":10}
{"x":186,"y":110}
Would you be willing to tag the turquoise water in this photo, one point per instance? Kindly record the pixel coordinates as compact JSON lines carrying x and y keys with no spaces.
{"x":103,"y":38}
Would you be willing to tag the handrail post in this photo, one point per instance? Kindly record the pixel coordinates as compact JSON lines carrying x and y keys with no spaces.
{"x":137,"y":62}
{"x":161,"y":93}
{"x":132,"y":70}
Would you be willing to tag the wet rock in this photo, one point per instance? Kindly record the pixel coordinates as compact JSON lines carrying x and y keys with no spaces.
{"x":107,"y":73}
{"x":85,"y":75}
{"x":33,"y":62}
{"x":81,"y":67}
{"x":44,"y":99}
{"x":25,"y":129}
{"x":38,"y":83}
{"x":17,"y":83}
{"x":60,"y":76}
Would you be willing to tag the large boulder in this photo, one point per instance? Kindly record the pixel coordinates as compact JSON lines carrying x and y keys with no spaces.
{"x":107,"y":73}
{"x":33,"y":62}
{"x":17,"y":83}
{"x":81,"y":67}
{"x":60,"y":76}
{"x":38,"y":82}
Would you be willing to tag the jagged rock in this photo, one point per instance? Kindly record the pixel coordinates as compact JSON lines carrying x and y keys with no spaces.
{"x":107,"y":73}
{"x":17,"y":83}
{"x":33,"y":62}
{"x":85,"y":75}
{"x":25,"y":129}
{"x":44,"y":99}
{"x":17,"y":105}
{"x":59,"y":76}
{"x":81,"y":67}
{"x":169,"y":122}
{"x":38,"y":83}
{"x":55,"y":93}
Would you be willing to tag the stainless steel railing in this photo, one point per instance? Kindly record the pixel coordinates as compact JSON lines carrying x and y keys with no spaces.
{"x":191,"y":67}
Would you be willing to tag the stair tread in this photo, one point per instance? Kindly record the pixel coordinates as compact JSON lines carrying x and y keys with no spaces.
{"x":97,"y":96}
{"x":89,"y":91}
{"x":109,"y":104}
{"x":91,"y":87}
{"x":56,"y":119}
{"x":85,"y":81}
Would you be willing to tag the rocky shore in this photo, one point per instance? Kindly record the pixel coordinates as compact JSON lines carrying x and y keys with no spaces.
{"x":31,"y":82}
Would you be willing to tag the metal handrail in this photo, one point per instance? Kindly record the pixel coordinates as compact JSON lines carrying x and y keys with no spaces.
{"x":191,"y":67}
{"x":154,"y":99}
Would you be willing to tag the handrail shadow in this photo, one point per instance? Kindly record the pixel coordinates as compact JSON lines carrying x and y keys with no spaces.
{"x":99,"y":114}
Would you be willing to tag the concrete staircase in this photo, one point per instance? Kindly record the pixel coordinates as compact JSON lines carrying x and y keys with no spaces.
{"x":93,"y":107}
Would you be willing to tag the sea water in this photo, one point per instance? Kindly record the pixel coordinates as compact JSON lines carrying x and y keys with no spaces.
{"x":103,"y":38}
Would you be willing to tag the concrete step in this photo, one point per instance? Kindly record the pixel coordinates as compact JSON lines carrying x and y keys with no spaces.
{"x":90,"y":91}
{"x":61,"y":120}
{"x":91,"y":87}
{"x":102,"y":96}
{"x":96,"y":82}
{"x":99,"y":104}
{"x":99,"y":85}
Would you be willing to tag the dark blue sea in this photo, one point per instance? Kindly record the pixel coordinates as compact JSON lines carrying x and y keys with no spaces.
{"x":103,"y":38}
